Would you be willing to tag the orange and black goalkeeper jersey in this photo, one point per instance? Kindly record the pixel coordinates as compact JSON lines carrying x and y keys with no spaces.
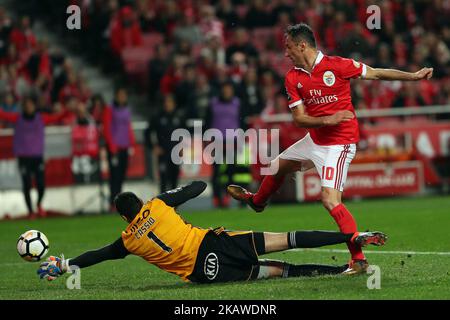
{"x":157,"y":234}
{"x":161,"y":237}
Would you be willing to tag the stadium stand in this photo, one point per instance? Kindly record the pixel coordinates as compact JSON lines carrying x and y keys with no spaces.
{"x":150,"y":43}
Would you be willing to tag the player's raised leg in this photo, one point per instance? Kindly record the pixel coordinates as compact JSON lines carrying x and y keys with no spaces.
{"x":270,"y":184}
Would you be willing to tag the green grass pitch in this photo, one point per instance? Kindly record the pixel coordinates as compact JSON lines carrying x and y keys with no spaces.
{"x":419,"y":224}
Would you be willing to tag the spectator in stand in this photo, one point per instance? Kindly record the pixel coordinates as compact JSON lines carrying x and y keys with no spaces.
{"x":17,"y":83}
{"x":173,"y":75}
{"x":185,"y":91}
{"x":225,"y":11}
{"x":119,"y":138}
{"x":82,"y":115}
{"x":125,"y":31}
{"x":158,"y":134}
{"x":60,"y":77}
{"x":42,"y":88}
{"x":336,"y":32}
{"x":223,"y":114}
{"x":257,"y":15}
{"x":241,"y":43}
{"x":167,"y":17}
{"x":187,"y":30}
{"x":9,"y":103}
{"x":284,"y":20}
{"x":5,"y":30}
{"x":202,"y":95}
{"x":409,"y":96}
{"x":277,"y":106}
{"x":214,"y":50}
{"x":23,"y":37}
{"x":70,"y":106}
{"x":157,"y":68}
{"x":12,"y":56}
{"x":183,"y":49}
{"x":210,"y":24}
{"x":146,"y":14}
{"x":249,"y":93}
{"x":28,"y":145}
{"x":43,"y":104}
{"x":384,"y":57}
{"x":39,"y":63}
{"x":96,"y":108}
{"x":71,"y":88}
{"x":281,"y":7}
{"x":238,"y":67}
{"x":356,"y":41}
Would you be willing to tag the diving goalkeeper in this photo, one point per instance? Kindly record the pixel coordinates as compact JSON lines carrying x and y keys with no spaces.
{"x":156,"y":233}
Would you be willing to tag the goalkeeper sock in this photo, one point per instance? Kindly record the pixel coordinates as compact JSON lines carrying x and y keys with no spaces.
{"x":314,"y":239}
{"x":311,"y":270}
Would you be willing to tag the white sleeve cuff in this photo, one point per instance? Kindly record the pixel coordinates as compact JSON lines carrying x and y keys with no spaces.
{"x":65,"y":266}
{"x":296,"y":103}
{"x":364,"y":71}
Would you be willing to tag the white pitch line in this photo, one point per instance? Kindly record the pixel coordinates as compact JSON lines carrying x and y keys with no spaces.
{"x":437,"y":253}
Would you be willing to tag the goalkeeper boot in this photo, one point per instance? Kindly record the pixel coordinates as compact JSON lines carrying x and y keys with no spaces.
{"x":241,"y":194}
{"x":356,"y":267}
{"x":375,"y":238}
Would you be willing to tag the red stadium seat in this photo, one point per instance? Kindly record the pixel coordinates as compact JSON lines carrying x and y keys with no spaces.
{"x":138,"y":56}
{"x":135,"y":61}
{"x":149,"y":40}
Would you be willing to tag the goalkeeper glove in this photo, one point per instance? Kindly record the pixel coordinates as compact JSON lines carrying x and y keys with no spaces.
{"x":53,"y":268}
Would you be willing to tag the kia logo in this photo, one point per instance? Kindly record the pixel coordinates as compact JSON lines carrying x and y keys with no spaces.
{"x":211,"y":267}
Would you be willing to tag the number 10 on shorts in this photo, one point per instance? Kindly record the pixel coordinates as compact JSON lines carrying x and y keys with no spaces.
{"x":327,"y":173}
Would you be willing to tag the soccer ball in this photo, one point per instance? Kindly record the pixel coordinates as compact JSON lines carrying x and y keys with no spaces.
{"x":32,"y":245}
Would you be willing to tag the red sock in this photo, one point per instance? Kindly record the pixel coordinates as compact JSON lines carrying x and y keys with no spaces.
{"x":347,"y":224}
{"x":268,"y":187}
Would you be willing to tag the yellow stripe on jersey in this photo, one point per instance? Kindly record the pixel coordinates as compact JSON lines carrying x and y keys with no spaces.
{"x":161,"y":237}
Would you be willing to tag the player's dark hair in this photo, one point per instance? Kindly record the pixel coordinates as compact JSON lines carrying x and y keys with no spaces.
{"x":128,"y":204}
{"x":301,"y":31}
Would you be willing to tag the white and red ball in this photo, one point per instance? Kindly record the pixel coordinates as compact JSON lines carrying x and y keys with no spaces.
{"x":32,"y":245}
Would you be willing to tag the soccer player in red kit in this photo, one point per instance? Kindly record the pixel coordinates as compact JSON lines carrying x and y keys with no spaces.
{"x":318,"y":88}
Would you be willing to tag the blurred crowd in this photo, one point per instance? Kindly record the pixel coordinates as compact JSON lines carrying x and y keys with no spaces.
{"x":31,"y":69}
{"x":207,"y":43}
{"x":221,"y":61}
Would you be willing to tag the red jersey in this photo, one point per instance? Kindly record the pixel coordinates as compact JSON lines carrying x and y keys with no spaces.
{"x":325,"y":91}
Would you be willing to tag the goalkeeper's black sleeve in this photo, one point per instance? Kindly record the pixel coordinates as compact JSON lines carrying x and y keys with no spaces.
{"x":175,"y":197}
{"x":115,"y":250}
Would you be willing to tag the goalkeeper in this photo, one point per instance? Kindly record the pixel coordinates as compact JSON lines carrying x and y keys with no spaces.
{"x":159,"y":235}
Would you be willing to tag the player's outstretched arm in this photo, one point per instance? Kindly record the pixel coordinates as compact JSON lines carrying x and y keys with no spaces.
{"x":56,"y":266}
{"x":303,"y":120}
{"x":175,"y":197}
{"x":393,"y":74}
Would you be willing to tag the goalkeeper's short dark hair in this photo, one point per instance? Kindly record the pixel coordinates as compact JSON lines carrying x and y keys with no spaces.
{"x":128,"y":204}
